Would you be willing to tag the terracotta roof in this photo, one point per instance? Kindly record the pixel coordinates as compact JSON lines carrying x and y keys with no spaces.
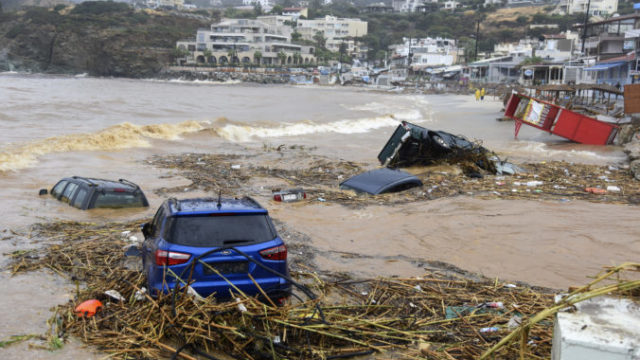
{"x":628,"y":57}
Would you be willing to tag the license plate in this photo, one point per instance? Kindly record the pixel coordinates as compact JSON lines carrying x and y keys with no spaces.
{"x":290,"y":197}
{"x":237,"y":267}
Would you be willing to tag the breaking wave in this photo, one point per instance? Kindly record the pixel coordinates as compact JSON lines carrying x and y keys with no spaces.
{"x":539,"y":150}
{"x":117,"y":137}
{"x":242,"y":133}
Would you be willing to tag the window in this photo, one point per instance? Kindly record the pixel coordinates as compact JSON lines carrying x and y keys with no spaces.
{"x":79,"y":200}
{"x":203,"y":231}
{"x":57,"y":190}
{"x":68,"y":192}
{"x":156,"y":223}
{"x":119,"y":200}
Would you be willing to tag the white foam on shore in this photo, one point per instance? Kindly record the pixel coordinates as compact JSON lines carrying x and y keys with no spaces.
{"x":539,"y":150}
{"x":243,"y":133}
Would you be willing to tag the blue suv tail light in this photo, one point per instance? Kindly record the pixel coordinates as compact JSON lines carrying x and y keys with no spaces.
{"x":275,"y":253}
{"x":169,"y":258}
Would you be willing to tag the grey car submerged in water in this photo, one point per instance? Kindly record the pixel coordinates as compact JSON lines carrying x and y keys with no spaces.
{"x":89,"y":193}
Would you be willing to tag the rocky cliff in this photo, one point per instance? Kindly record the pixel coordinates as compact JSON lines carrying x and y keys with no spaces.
{"x":98,"y":38}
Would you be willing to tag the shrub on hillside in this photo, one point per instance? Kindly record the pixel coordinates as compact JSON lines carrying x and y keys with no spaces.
{"x":100,"y":7}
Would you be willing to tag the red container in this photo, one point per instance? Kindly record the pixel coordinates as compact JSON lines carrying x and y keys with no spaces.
{"x":559,"y":121}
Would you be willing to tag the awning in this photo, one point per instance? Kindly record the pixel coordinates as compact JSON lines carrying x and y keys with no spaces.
{"x":606,"y":66}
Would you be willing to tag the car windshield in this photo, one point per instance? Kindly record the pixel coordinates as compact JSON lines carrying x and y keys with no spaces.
{"x":204,"y":231}
{"x":119,"y":200}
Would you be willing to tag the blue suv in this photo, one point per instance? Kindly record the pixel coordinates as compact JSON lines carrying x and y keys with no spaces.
{"x":236,"y":237}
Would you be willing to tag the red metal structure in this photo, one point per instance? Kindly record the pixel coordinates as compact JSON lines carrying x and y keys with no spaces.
{"x":559,"y":121}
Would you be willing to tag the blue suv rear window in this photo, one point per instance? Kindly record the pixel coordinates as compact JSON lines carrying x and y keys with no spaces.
{"x":226,"y":230}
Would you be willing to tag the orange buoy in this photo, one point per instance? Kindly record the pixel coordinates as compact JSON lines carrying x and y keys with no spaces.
{"x":88,"y":308}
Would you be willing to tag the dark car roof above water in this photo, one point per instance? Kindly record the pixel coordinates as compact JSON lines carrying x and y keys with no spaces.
{"x":105,"y":184}
{"x":210,"y":206}
{"x":381,"y":180}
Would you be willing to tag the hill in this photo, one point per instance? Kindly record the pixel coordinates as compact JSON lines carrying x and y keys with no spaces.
{"x":97,"y":37}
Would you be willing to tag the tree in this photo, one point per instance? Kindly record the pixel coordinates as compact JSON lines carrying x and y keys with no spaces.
{"x":295,"y":36}
{"x":522,"y":20}
{"x":257,"y":9}
{"x":320,"y":40}
{"x":207,"y":55}
{"x":532,"y":61}
{"x":282,"y":56}
{"x":257,"y":56}
{"x":380,"y":56}
{"x":179,"y":53}
{"x":233,"y":55}
{"x":276,"y":9}
{"x":342,"y":50}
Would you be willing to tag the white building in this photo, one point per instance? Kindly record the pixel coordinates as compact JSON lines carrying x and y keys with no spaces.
{"x":244,"y":41}
{"x":153,"y":4}
{"x":337,"y":31}
{"x":411,"y":5}
{"x":597,"y":7}
{"x":296,"y":13}
{"x":492,"y":2}
{"x":451,"y":5}
{"x":521,"y":49}
{"x":276,"y":20}
{"x":266,"y":5}
{"x":426,"y":53}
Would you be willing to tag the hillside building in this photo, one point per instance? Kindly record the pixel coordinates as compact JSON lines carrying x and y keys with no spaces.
{"x":337,"y":31}
{"x":296,"y":13}
{"x":421,"y":54}
{"x":266,"y":5}
{"x":245,"y":42}
{"x":596,"y":7}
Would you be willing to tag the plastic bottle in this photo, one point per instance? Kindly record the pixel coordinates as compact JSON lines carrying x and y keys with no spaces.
{"x":489,"y":329}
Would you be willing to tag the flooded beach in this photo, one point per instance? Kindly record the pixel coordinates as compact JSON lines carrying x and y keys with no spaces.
{"x":52,"y":127}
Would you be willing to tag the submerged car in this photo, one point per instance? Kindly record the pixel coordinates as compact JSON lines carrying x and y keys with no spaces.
{"x":411,"y":144}
{"x":89,"y":193}
{"x":381,"y":181}
{"x":221,"y":245}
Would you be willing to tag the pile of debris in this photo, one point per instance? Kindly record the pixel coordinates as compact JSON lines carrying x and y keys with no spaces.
{"x":320,"y":178}
{"x":436,"y":315}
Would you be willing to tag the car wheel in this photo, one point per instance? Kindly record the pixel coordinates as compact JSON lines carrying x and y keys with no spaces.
{"x":439,"y":141}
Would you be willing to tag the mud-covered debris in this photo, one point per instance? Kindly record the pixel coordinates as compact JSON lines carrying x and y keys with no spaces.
{"x":411,"y":144}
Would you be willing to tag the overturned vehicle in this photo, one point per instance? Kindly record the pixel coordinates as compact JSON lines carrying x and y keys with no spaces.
{"x":411,"y":145}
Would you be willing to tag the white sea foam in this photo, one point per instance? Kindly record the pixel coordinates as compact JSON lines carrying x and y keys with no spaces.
{"x":540,"y":150}
{"x":241,"y":133}
{"x":117,"y":137}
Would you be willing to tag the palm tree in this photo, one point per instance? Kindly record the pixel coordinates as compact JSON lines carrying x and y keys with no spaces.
{"x":257,"y":56}
{"x":233,"y":56}
{"x":207,"y":55}
{"x":282,"y":56}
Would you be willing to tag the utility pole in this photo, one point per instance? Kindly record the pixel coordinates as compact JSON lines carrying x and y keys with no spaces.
{"x":477,"y":40}
{"x":586,"y":21}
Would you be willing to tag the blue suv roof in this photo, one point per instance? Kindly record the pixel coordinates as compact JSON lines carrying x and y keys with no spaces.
{"x":210,"y":206}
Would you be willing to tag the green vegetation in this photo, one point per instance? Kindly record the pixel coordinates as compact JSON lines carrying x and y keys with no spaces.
{"x":101,"y":7}
{"x":536,"y":60}
{"x":98,"y":37}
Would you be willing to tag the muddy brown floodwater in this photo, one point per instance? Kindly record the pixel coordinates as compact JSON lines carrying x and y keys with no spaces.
{"x":542,"y":243}
{"x":51,"y":127}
